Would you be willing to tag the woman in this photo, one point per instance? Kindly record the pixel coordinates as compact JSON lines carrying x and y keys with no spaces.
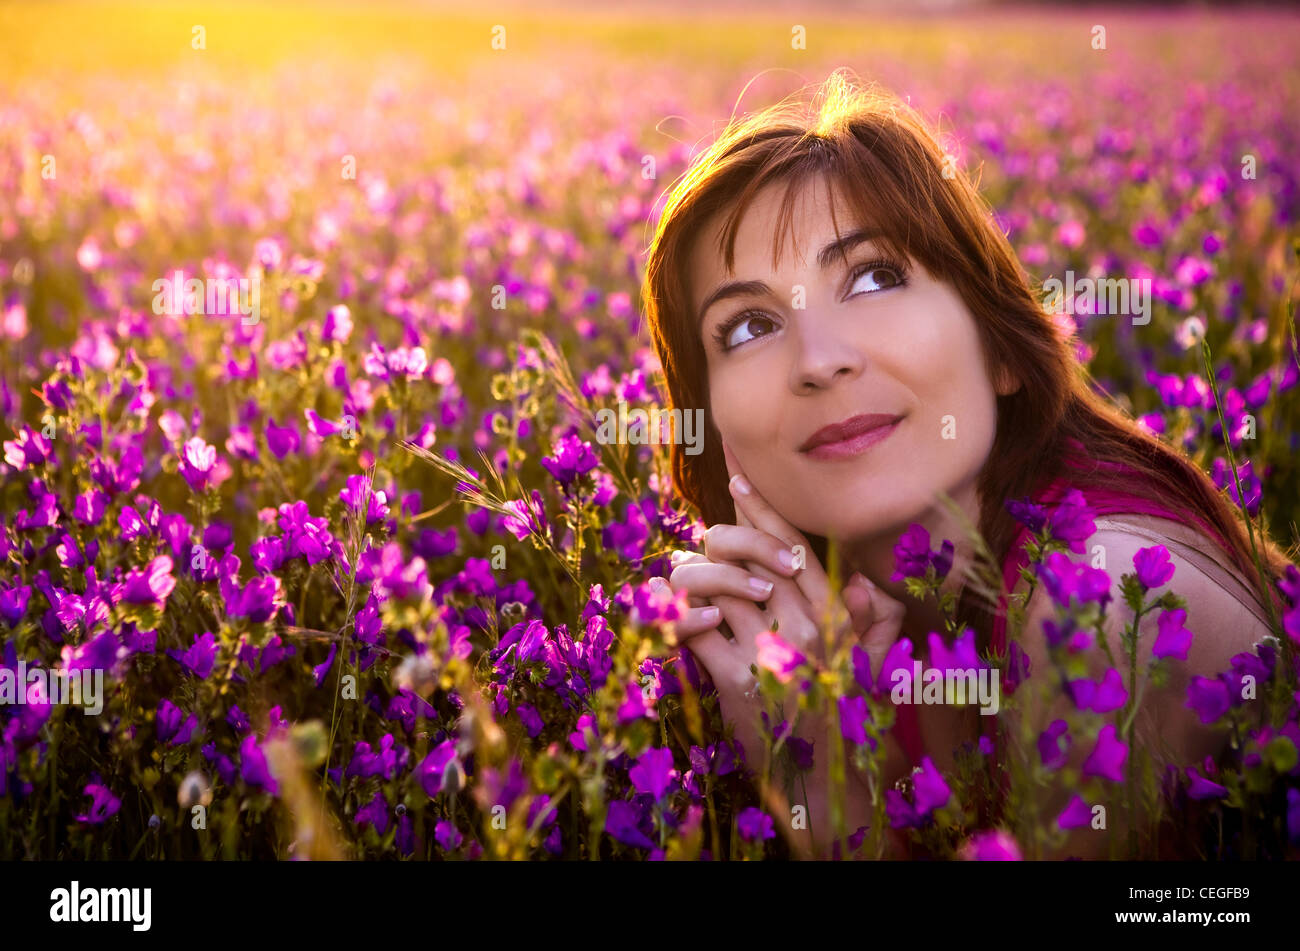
{"x":896,"y":354}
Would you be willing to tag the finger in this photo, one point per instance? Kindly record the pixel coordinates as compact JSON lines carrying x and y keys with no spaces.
{"x":738,"y":544}
{"x":708,"y":579}
{"x":811,"y":578}
{"x":695,"y":622}
{"x":733,"y":469}
{"x":746,"y":622}
{"x":793,"y":615}
{"x":715,"y":653}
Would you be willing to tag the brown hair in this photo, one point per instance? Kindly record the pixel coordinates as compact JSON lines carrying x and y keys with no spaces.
{"x":896,"y":177}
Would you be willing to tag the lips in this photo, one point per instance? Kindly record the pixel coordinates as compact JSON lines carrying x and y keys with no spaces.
{"x":848,"y":429}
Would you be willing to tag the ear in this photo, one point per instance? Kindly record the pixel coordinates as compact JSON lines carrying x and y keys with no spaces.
{"x":1005,"y":382}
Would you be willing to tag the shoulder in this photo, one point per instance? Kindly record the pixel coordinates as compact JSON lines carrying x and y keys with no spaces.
{"x":1219,"y":602}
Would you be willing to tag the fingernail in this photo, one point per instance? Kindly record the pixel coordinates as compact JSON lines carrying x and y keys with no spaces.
{"x":710,"y":615}
{"x":786,"y":558}
{"x":761,"y":586}
{"x":656,"y":583}
{"x":740,"y":485}
{"x":676,"y":556}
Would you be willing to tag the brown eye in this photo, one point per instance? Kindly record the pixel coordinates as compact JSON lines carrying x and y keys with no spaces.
{"x":877,"y":277}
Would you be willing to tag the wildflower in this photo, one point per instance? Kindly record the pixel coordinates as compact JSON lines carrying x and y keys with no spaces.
{"x":1074,"y":815}
{"x":1066,"y":581}
{"x":755,"y":825}
{"x":198,"y":461}
{"x":996,"y":845}
{"x":103,"y":806}
{"x":776,"y":655}
{"x":1153,"y":566}
{"x":571,"y":459}
{"x":1173,"y":639}
{"x":1208,"y":698}
{"x":1107,"y":758}
{"x":913,"y":557}
{"x":653,"y":773}
{"x":200,"y":657}
{"x":623,"y":821}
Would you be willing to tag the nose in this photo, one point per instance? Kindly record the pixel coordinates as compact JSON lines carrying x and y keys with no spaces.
{"x":824,"y":355}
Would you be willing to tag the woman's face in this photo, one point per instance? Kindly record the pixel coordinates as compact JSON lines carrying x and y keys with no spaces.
{"x":820,"y":341}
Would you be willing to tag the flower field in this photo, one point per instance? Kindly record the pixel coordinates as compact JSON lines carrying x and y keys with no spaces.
{"x":360,"y":578}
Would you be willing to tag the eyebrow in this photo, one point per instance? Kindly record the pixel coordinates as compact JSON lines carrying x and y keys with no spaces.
{"x":825,"y":257}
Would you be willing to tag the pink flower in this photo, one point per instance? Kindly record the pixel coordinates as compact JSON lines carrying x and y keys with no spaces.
{"x":776,"y":655}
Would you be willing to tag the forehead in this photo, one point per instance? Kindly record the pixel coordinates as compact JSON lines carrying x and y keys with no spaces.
{"x":808,"y":227}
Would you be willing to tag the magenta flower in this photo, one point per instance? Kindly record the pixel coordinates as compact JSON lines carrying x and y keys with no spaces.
{"x":635,"y":706}
{"x":623,"y":822}
{"x":1102,"y":697}
{"x":653,"y":773}
{"x":198,"y":460}
{"x":1050,"y":748}
{"x":1153,"y":567}
{"x":200,"y":657}
{"x":913,"y":557}
{"x":253,"y":768}
{"x":103,"y":805}
{"x":1071,"y":521}
{"x":1074,"y":815}
{"x":1066,"y":580}
{"x":995,"y":845}
{"x":1173,"y":639}
{"x":151,"y":585}
{"x":854,"y":716}
{"x":1202,"y":788}
{"x":447,"y":836}
{"x":1209,"y":698}
{"x":779,"y":657}
{"x":282,"y":440}
{"x":433,"y":767}
{"x":755,"y":825}
{"x":1107,"y":758}
{"x":571,"y":458}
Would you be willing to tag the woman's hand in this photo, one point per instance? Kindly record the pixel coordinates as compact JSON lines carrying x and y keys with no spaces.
{"x":798,"y":597}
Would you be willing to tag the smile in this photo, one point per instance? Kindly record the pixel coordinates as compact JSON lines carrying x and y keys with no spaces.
{"x":853,"y":445}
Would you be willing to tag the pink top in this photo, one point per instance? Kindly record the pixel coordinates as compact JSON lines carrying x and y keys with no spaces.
{"x":1100,"y":502}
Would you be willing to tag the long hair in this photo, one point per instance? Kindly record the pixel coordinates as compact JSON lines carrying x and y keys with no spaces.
{"x":896,"y":177}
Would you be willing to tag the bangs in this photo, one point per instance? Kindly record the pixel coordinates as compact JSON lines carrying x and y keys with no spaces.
{"x":857,"y":200}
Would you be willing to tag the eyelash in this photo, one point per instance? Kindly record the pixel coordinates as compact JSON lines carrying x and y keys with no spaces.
{"x":724,"y":330}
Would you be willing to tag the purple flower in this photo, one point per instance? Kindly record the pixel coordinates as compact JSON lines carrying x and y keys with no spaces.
{"x":1072,"y":521}
{"x":896,"y":669}
{"x":931,"y":792}
{"x":1202,"y":788}
{"x":1028,"y":514}
{"x":1293,"y":815}
{"x":571,"y":459}
{"x":103,"y":805}
{"x":913,"y":557}
{"x":854,"y":715}
{"x":1066,"y":580}
{"x":447,"y":836}
{"x":198,"y":658}
{"x":152,"y":585}
{"x":13,"y":603}
{"x":779,"y":657}
{"x":433,"y":767}
{"x":253,"y":768}
{"x":282,"y":440}
{"x":622,"y":821}
{"x":1209,"y":698}
{"x":755,"y":825}
{"x":1173,"y":639}
{"x":1153,"y":567}
{"x":198,"y":460}
{"x":1074,"y":815}
{"x":374,"y":814}
{"x":578,"y":739}
{"x":1107,"y":758}
{"x":653,"y":772}
{"x":1050,"y":750}
{"x":528,"y":518}
{"x":1099,"y":697}
{"x":172,"y":725}
{"x":996,"y":845}
{"x":635,"y":706}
